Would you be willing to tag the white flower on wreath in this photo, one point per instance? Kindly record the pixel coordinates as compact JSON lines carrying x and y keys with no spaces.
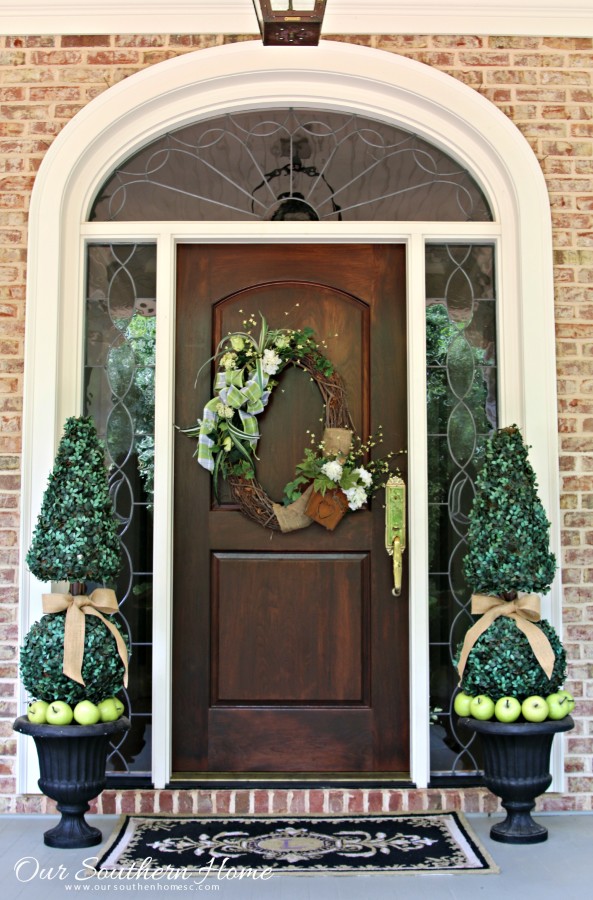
{"x":225,"y":412}
{"x":332,"y":469}
{"x":270,"y":362}
{"x":364,"y":476}
{"x":228,"y":361}
{"x":357,"y":497}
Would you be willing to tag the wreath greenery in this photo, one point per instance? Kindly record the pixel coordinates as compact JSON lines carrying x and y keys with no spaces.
{"x":228,"y":432}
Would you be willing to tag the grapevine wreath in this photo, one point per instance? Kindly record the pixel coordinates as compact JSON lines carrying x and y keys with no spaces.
{"x":228,"y":432}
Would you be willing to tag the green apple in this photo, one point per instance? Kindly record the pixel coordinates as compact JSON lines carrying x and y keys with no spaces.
{"x":59,"y":713}
{"x":119,"y":704}
{"x":569,"y":698}
{"x":557,"y":706}
{"x":86,"y":713}
{"x":108,"y":710}
{"x":507,"y":709}
{"x":461,"y":703}
{"x":482,"y":707}
{"x":37,"y":712}
{"x":534,"y":709}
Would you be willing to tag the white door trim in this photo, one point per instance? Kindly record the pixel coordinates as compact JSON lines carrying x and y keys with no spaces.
{"x":246,"y":75}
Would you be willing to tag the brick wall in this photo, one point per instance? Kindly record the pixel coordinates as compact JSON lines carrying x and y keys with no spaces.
{"x":544,"y":85}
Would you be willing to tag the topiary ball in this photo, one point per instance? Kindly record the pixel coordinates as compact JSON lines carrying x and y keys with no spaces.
{"x":42,"y":656}
{"x":502,"y":664}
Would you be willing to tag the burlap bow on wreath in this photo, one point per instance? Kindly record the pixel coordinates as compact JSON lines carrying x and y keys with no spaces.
{"x":102,"y":600}
{"x":525,"y":610}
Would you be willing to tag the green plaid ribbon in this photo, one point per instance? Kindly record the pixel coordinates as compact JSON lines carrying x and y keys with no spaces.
{"x":248,"y":400}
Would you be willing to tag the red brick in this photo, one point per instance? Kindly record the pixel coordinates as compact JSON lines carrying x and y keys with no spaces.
{"x":452,"y":799}
{"x":205,"y":801}
{"x":29,"y":805}
{"x":457,"y":40}
{"x":416,"y":801}
{"x":395,"y":801}
{"x":85,"y":40}
{"x":47,"y":94}
{"x":113,"y":57}
{"x":31,"y":40}
{"x":185,"y":802}
{"x":142,"y":40}
{"x":261,"y":801}
{"x":279,"y":802}
{"x":356,"y":801}
{"x":242,"y":799}
{"x":108,"y":798}
{"x":336,"y":802}
{"x":128,"y":802}
{"x":484,"y":59}
{"x":146,"y":801}
{"x":47,"y":58}
{"x":165,"y":801}
{"x":551,"y":803}
{"x":490,"y":803}
{"x":316,"y":801}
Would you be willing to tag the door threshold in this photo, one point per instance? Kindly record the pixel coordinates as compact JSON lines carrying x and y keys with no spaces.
{"x":289,"y":780}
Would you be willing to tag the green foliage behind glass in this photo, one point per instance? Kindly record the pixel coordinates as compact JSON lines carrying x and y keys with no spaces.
{"x":508,"y":535}
{"x":502,"y":664}
{"x":76,"y":536}
{"x":449,"y":353}
{"x":132,"y":364}
{"x":42,"y":657}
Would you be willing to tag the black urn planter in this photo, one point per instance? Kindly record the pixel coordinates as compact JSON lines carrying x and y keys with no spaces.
{"x":72,"y":760}
{"x":517,"y":769}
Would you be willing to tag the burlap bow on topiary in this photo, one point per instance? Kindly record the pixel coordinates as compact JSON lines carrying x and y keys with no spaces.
{"x":525,"y":610}
{"x":102,"y":600}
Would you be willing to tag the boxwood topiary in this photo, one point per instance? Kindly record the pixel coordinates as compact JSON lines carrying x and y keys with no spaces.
{"x":502,"y":664}
{"x":42,"y":656}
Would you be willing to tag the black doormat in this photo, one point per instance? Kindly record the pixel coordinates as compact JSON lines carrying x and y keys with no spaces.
{"x":160,"y":847}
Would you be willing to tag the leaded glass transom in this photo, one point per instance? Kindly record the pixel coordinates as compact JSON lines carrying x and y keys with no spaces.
{"x":290,"y":164}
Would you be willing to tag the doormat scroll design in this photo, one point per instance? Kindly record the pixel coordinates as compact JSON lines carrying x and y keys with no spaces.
{"x":193,"y":846}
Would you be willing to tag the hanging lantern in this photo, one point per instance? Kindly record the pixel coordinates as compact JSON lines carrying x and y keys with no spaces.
{"x":290,"y":22}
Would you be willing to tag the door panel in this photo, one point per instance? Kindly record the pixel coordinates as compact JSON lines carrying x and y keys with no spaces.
{"x":290,"y":650}
{"x":279,"y":644}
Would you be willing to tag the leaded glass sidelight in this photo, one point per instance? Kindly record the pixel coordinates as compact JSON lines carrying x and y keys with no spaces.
{"x":119,"y":394}
{"x":290,"y":164}
{"x":462,"y":410}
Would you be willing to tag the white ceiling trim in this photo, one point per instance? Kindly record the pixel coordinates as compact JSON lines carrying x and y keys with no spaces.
{"x":523,"y":17}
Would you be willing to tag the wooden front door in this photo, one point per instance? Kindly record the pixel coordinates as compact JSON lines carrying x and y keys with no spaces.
{"x":290,"y":651}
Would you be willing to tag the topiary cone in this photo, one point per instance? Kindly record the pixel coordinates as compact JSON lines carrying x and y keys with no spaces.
{"x":76,"y":536}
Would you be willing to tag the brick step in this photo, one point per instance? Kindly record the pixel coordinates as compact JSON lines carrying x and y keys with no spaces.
{"x":276,"y":801}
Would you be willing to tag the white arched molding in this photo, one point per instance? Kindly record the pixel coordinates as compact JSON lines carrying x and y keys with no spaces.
{"x":242,"y":76}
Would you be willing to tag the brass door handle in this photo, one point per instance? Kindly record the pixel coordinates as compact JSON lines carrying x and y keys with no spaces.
{"x":395,"y":527}
{"x":397,"y":566}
